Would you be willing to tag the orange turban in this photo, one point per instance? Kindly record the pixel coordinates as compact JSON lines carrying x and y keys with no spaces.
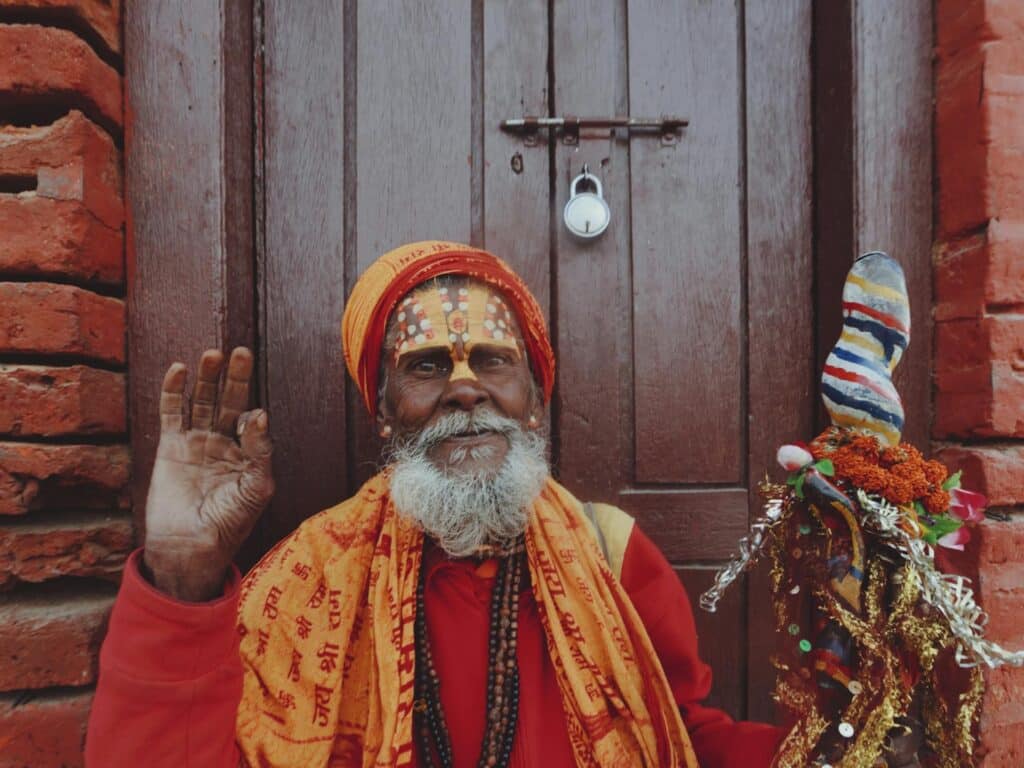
{"x":397,"y":272}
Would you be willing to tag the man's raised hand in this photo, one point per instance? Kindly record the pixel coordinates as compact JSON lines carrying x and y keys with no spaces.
{"x":211,"y":479}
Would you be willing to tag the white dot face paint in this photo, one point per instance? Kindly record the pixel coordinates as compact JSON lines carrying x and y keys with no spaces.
{"x":480,"y":316}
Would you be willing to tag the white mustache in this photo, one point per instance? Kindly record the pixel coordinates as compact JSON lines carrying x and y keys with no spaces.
{"x":463,"y":422}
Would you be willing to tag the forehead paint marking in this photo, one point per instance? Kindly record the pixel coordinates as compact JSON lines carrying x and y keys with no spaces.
{"x":454,"y":318}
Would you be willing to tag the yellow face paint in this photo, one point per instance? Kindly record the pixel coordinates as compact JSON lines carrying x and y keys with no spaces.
{"x":455,"y":317}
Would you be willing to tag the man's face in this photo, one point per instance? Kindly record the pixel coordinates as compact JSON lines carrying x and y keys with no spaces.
{"x":457,"y":347}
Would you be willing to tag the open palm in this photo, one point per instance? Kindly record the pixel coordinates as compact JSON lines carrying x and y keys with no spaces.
{"x":211,"y":479}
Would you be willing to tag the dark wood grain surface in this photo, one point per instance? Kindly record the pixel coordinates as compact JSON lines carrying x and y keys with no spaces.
{"x":893,"y":185}
{"x":302,"y":266}
{"x":688,"y":290}
{"x":780,"y":308}
{"x":189,"y":239}
{"x":516,"y":174}
{"x":276,"y":149}
{"x":593,"y":419}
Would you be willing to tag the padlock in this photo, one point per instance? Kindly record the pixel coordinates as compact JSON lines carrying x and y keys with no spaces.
{"x":586,"y":214}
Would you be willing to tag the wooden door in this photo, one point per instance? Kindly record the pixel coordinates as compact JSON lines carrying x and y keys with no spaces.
{"x":685,"y":335}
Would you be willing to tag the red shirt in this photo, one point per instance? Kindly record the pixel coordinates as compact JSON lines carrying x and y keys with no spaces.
{"x":170,"y":677}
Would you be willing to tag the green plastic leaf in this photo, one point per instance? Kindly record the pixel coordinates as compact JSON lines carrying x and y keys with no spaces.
{"x":919,"y":508}
{"x":791,"y":480}
{"x":944,"y":525}
{"x":799,"y":486}
{"x":826,"y":467}
{"x":953,"y":481}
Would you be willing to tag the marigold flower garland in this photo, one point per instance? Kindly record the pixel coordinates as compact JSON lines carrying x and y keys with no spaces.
{"x":848,"y":706}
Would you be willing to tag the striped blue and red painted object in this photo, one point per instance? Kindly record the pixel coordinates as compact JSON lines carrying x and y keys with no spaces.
{"x":856,"y":383}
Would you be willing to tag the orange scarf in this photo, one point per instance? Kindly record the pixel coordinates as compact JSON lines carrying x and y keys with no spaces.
{"x":326,"y":620}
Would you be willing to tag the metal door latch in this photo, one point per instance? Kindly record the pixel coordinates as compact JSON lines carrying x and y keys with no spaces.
{"x":569,"y":127}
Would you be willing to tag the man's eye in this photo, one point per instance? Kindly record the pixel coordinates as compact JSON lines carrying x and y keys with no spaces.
{"x":429,"y":367}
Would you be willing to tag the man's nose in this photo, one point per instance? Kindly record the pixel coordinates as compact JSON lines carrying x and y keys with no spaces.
{"x":465,"y":393}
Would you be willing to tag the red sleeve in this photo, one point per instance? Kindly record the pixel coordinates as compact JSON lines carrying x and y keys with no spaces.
{"x":661,"y":601}
{"x":170,"y":680}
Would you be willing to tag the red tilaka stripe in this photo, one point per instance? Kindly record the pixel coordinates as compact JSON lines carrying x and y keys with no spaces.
{"x":845,"y":375}
{"x":887,"y":320}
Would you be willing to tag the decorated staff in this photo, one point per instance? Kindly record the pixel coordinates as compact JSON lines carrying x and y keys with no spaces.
{"x":867,"y":616}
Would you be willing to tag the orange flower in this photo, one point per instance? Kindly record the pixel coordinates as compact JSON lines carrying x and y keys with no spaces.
{"x":899,"y":473}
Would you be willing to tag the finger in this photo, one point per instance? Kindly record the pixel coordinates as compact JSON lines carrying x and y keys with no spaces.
{"x":204,"y":397}
{"x":172,"y":398}
{"x":256,"y":483}
{"x":254,"y":435}
{"x":234,"y":395}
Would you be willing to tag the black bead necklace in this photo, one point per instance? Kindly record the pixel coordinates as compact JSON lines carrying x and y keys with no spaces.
{"x":431,"y":730}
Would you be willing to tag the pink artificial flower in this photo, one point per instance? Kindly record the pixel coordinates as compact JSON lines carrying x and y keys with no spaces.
{"x":956,"y":539}
{"x":967,"y":505}
{"x":793,"y":457}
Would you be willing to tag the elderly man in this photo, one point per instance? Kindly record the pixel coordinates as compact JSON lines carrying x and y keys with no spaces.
{"x":462,"y":609}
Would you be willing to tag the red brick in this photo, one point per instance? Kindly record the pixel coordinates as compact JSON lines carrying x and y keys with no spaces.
{"x":43,"y":730}
{"x":1004,"y":703}
{"x":73,"y":545}
{"x":58,"y":238}
{"x":961,"y":23}
{"x":994,"y":470}
{"x":29,"y":469}
{"x":48,"y":640}
{"x":1000,"y":747}
{"x":47,"y":401}
{"x":1005,"y":276}
{"x":73,"y":159}
{"x":103,"y":17}
{"x":979,"y":272}
{"x":979,"y":376}
{"x":45,"y":63}
{"x":960,"y":143}
{"x":959,"y":270}
{"x":52,"y":319}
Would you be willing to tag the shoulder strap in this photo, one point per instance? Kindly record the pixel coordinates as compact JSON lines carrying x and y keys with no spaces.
{"x":612,"y":528}
{"x":602,"y":542}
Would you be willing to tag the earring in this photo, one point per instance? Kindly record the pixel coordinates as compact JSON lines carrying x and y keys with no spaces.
{"x":385,"y":431}
{"x":533,"y":423}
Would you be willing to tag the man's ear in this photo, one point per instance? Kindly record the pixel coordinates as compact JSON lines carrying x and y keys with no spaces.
{"x":537,"y":411}
{"x":384,"y":416}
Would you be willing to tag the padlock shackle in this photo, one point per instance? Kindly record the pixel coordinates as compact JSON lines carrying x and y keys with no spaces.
{"x":586,"y":176}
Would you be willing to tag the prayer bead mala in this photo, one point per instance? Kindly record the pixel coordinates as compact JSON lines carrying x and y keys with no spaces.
{"x":431,"y":729}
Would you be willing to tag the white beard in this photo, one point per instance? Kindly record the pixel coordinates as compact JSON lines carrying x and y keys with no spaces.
{"x":465,"y":510}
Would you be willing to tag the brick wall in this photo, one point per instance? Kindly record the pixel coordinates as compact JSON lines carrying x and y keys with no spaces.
{"x":979,"y":313}
{"x":64,"y":462}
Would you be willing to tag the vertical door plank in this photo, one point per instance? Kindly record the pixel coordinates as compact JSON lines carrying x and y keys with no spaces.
{"x":873,"y":168}
{"x":893,"y":92}
{"x":593,"y":284}
{"x":834,"y":247}
{"x":413,"y":134}
{"x":721,"y":640}
{"x":687,"y":247}
{"x":189,"y":236}
{"x":303,"y":275}
{"x":516,"y":174}
{"x":414,"y":146}
{"x":780,"y":276}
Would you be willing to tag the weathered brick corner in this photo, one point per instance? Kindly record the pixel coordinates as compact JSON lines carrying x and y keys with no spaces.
{"x":979,"y":298}
{"x":65,"y":529}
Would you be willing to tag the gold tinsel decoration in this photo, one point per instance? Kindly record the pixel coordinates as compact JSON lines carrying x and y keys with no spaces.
{"x":895,"y":625}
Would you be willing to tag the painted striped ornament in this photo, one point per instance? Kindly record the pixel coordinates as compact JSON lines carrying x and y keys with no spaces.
{"x":856,"y":383}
